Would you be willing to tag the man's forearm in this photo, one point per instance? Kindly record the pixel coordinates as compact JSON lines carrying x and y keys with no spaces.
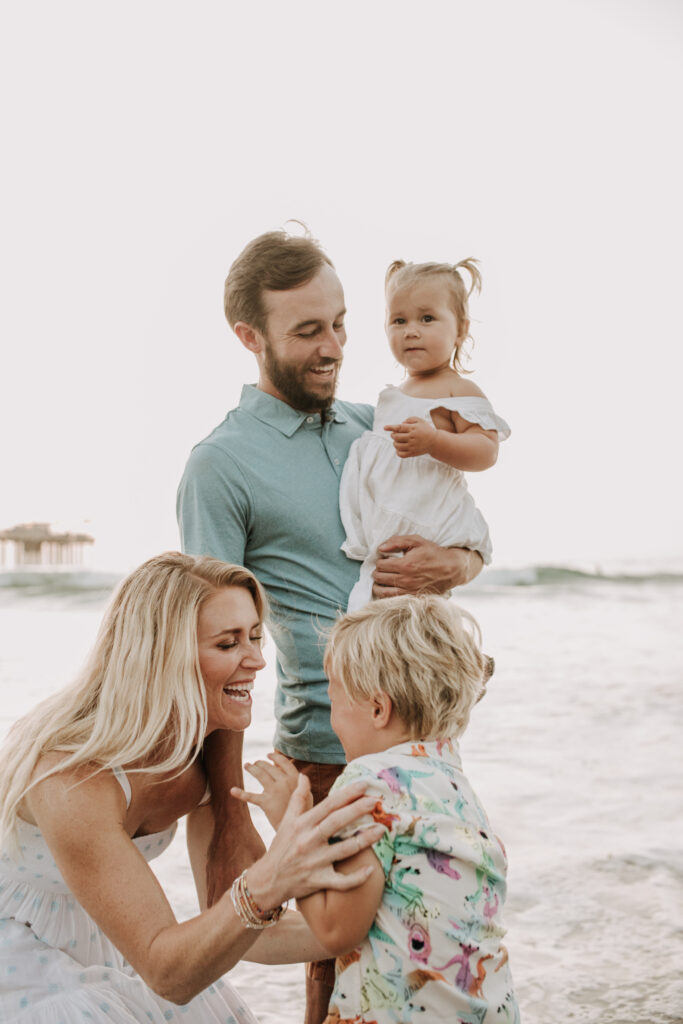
{"x":466,"y":567}
{"x":223,"y":763}
{"x":445,"y":568}
{"x":235,"y":843}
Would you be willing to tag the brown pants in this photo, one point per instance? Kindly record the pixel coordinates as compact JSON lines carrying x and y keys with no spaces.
{"x":320,"y":975}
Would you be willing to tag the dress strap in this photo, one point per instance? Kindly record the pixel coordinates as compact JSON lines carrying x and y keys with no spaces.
{"x":122,"y":780}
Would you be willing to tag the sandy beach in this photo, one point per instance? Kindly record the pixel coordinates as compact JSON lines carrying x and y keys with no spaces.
{"x":575,"y":753}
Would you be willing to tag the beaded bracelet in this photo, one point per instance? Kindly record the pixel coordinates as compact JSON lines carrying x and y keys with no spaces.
{"x":247,"y":909}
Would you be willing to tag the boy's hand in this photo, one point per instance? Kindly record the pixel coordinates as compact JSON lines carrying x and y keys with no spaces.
{"x":412,"y":437}
{"x":279,"y":781}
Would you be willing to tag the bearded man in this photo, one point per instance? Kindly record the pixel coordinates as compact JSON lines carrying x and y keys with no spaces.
{"x":262,"y":491}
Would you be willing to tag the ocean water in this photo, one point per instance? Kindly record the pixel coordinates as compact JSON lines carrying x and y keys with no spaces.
{"x":576,"y":752}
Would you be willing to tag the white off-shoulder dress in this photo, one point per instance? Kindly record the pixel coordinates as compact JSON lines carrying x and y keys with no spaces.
{"x":381,"y":494}
{"x":58,"y":967}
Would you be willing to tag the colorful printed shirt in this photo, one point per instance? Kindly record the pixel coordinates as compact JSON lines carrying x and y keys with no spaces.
{"x":434,"y":950}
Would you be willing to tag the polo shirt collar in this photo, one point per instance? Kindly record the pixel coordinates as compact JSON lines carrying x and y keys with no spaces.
{"x":278,"y":414}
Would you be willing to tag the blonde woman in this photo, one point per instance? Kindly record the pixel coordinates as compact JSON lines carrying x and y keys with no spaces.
{"x":92,"y":784}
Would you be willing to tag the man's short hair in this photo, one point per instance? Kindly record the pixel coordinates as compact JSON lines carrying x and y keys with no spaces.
{"x":275,"y":261}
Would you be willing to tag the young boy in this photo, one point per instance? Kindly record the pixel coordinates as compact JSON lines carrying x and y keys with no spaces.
{"x":420,"y":939}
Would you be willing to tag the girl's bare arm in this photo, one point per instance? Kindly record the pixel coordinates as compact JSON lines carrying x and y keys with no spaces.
{"x":468,"y":447}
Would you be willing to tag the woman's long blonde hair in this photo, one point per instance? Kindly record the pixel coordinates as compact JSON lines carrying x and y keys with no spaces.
{"x":139,"y":699}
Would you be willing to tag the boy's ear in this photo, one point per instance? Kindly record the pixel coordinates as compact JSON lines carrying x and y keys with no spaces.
{"x":382,"y":708}
{"x":249,"y":336}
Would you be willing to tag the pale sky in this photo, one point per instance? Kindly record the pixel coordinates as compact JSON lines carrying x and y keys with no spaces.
{"x":144,"y":143}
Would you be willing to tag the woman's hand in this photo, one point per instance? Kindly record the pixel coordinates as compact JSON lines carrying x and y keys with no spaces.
{"x":279,"y":780}
{"x":118,"y":889}
{"x":300,"y":859}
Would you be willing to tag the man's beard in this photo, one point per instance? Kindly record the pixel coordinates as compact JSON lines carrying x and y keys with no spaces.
{"x":289,"y":381}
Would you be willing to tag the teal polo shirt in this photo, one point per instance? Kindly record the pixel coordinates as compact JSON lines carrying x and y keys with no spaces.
{"x":262,"y":490}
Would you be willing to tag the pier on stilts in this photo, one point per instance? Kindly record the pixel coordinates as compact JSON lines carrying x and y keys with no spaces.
{"x":37,"y":544}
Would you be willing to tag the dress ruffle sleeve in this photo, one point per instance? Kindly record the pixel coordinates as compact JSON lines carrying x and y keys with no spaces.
{"x":472,"y":408}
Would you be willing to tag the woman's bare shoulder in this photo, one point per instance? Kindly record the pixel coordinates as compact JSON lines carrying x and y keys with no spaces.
{"x":68,"y":787}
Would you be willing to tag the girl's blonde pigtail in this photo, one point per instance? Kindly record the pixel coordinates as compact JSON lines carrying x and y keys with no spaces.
{"x":471,"y":266}
{"x":392,"y":269}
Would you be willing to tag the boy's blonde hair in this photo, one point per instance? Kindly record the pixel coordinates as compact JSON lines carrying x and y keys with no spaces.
{"x":423,"y":652}
{"x":399,"y":274}
{"x":140,"y":698}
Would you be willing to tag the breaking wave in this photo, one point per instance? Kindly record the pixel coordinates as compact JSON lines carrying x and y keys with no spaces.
{"x":564,"y":575}
{"x":43,"y":582}
{"x":93,"y":584}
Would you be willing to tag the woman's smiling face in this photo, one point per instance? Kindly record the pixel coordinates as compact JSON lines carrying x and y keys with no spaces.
{"x":229,"y":636}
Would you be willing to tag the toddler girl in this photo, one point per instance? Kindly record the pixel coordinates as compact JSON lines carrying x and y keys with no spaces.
{"x":420,"y":939}
{"x":406,"y":475}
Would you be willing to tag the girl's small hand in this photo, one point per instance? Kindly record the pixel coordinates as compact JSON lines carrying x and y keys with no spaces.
{"x":412,"y":437}
{"x":279,"y":781}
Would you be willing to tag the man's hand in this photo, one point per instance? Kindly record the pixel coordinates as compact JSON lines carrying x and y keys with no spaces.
{"x":412,"y":437}
{"x":423,"y":568}
{"x":279,"y":780}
